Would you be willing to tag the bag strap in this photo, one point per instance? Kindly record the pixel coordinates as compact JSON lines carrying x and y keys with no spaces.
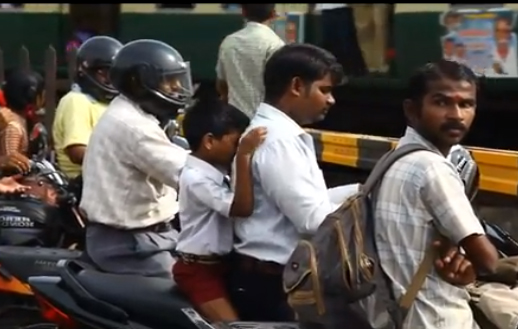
{"x":406,"y":301}
{"x":385,"y":162}
{"x":381,"y":167}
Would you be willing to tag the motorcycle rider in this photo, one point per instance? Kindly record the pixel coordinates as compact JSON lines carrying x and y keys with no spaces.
{"x":80,"y":109}
{"x":131,"y":169}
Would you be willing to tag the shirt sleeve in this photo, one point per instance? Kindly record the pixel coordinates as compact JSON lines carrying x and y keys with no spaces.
{"x":216,"y":197}
{"x":220,"y":70}
{"x":275,"y":45}
{"x":285,"y":176}
{"x":443,"y":194}
{"x":152,"y":153}
{"x":12,"y":138}
{"x":76,"y":121}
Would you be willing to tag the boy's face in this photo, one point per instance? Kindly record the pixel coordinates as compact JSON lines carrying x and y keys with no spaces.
{"x":223,"y":149}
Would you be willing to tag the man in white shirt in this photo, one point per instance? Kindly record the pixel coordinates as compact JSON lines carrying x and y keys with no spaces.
{"x":131,"y":169}
{"x":291,"y":197}
{"x":242,"y":56}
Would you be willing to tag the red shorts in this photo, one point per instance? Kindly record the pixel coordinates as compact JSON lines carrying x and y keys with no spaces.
{"x":200,"y":282}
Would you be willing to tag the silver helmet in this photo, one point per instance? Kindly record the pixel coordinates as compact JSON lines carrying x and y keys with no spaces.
{"x":467,"y":169}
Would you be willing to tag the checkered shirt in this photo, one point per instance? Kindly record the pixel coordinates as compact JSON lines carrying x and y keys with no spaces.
{"x":420,"y":193}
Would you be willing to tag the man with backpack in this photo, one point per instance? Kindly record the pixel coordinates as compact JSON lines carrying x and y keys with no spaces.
{"x":422,"y":195}
{"x":371,"y":262}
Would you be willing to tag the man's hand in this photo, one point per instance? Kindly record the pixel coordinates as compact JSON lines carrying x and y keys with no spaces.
{"x":15,"y":162}
{"x":452,"y":266}
{"x":10,"y":185}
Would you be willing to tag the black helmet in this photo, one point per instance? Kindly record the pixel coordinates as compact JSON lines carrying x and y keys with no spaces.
{"x":95,"y":55}
{"x":154,"y":75}
{"x":467,"y":169}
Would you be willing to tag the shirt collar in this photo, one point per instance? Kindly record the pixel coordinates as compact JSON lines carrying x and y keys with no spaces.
{"x":256,"y":25}
{"x":208,"y":170}
{"x":413,"y":137}
{"x":76,"y":88}
{"x":279,"y":119}
{"x":136,"y":107}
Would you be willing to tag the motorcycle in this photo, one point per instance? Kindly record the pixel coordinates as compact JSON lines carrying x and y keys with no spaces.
{"x":81,"y":296}
{"x":37,"y":229}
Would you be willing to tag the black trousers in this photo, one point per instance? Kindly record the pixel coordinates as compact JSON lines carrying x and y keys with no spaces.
{"x":340,"y":38}
{"x":257,"y":295}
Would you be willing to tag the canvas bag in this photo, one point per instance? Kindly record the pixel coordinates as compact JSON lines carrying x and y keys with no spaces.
{"x":494,"y":297}
{"x":334,"y":279}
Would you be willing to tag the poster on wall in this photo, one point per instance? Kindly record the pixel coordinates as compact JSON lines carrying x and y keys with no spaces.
{"x":290,"y":27}
{"x":483,"y":39}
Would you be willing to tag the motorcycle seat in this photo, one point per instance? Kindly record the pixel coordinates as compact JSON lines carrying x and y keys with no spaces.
{"x":147,"y":300}
{"x":23,"y":262}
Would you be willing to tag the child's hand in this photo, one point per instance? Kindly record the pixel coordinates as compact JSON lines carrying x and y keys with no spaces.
{"x":251,"y":141}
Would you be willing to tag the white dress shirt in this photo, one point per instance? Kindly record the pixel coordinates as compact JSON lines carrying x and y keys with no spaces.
{"x":290,"y":193}
{"x":130,"y":169}
{"x":205,"y":199}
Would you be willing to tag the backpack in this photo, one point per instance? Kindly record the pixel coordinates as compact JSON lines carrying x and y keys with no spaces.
{"x":334,"y":279}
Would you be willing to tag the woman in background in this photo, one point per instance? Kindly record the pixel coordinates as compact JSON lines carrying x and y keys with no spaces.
{"x":24,"y":94}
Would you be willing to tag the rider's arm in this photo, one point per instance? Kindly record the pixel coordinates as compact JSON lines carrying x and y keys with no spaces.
{"x":76,"y":126}
{"x":12,"y":141}
{"x":443,"y":194}
{"x":286,"y":177}
{"x":152,"y":153}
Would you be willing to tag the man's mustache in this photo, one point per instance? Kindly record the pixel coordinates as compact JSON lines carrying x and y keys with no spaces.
{"x":453,"y":125}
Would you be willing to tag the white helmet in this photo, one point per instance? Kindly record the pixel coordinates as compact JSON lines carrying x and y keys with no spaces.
{"x":467,"y":169}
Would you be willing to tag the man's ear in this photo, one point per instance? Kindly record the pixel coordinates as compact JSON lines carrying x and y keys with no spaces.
{"x":410,"y":110}
{"x":297,"y":86}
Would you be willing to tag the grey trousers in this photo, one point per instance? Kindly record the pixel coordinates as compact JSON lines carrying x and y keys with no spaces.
{"x":131,"y":252}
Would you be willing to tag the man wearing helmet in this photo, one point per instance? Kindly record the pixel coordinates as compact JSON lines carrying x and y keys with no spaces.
{"x":131,"y":169}
{"x":80,"y":109}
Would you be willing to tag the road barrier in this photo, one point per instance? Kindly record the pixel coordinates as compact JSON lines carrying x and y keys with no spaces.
{"x":498,"y":168}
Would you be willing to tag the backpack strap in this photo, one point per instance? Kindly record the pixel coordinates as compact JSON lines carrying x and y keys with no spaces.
{"x":375,"y":177}
{"x":406,"y":301}
{"x":385,"y":162}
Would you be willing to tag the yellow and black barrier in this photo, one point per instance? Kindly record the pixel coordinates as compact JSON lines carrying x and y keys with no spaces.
{"x":498,"y":168}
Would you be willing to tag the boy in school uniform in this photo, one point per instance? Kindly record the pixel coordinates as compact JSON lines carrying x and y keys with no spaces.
{"x":207,"y":203}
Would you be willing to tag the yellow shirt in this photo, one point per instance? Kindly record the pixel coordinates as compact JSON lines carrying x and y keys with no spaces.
{"x":76,"y":116}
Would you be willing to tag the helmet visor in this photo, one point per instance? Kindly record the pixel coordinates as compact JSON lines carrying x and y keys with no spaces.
{"x":177,"y":86}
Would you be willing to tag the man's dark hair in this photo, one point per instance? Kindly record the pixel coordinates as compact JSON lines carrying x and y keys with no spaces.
{"x":418,"y":83}
{"x":21,"y":89}
{"x":307,"y":62}
{"x":211,"y":116}
{"x":258,"y":12}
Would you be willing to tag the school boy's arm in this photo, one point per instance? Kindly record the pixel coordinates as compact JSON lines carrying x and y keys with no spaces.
{"x":243,"y":201}
{"x":443,"y":194}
